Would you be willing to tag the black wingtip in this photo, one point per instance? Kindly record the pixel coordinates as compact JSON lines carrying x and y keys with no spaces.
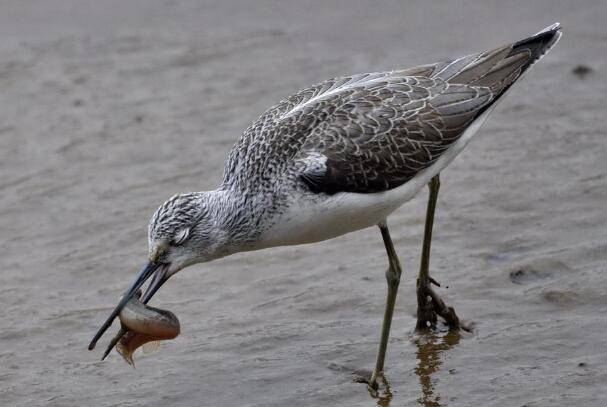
{"x":539,"y":44}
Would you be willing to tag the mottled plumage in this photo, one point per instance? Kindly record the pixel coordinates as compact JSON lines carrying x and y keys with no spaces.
{"x":372,"y":132}
{"x":334,"y":158}
{"x":343,"y":154}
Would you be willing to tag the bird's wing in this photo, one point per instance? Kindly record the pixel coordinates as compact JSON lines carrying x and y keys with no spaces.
{"x":378,"y":136}
{"x":277,"y":130}
{"x":373,"y":132}
{"x":380,"y":132}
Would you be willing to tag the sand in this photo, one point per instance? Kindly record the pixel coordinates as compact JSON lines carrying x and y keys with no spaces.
{"x":108,"y":108}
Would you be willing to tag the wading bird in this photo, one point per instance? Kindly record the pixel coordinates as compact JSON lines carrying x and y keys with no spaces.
{"x":337,"y":157}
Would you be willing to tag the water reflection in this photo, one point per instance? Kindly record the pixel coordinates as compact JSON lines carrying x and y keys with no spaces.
{"x":383,"y":393}
{"x":430,"y":347}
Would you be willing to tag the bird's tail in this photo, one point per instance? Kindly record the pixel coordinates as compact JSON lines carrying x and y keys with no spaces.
{"x":537,"y":45}
{"x":499,"y":68}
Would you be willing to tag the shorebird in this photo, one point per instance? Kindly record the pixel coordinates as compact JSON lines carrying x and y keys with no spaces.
{"x":338,"y":157}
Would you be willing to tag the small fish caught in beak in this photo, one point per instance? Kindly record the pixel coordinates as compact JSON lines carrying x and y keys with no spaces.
{"x":144,"y":326}
{"x":159,"y":271}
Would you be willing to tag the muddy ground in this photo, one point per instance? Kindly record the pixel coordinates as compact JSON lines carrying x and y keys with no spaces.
{"x":108,"y":108}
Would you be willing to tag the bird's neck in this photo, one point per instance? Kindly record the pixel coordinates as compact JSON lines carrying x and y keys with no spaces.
{"x":239,"y":217}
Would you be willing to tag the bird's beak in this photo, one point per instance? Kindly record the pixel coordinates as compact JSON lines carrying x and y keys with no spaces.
{"x":159,"y":270}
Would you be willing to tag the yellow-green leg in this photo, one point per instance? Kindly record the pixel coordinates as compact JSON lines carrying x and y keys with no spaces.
{"x":393,"y":278}
{"x":429,"y":304}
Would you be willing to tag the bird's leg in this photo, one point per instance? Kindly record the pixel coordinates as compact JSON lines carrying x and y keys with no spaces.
{"x":393,"y":277}
{"x":429,"y":304}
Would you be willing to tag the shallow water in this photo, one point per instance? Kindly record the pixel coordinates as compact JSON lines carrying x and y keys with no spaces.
{"x":107,"y":110}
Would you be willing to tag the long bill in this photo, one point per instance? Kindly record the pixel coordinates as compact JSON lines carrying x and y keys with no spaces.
{"x":160,"y":278}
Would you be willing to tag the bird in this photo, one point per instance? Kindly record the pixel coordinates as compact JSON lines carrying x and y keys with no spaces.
{"x":334,"y":158}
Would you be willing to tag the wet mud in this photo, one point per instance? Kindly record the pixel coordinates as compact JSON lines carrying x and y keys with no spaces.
{"x":109,"y":108}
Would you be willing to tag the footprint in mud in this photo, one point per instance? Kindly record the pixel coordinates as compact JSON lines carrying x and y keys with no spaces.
{"x":581,"y":71}
{"x":561,"y":297}
{"x":538,"y":270}
{"x":555,"y":282}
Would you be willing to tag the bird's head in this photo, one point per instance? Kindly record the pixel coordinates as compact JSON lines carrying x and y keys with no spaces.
{"x":183,"y":231}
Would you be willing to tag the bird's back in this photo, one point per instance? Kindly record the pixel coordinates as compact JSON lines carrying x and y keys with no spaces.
{"x":373,"y":132}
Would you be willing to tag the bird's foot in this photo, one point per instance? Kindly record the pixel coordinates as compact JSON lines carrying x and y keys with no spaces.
{"x":430,"y":306}
{"x":376,"y":382}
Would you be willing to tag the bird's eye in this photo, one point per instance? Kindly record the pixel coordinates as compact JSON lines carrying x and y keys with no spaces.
{"x":181,"y":236}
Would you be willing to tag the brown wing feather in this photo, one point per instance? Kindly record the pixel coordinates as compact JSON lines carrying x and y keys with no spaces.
{"x":373,"y":132}
{"x":381,"y":135}
{"x":408,"y":122}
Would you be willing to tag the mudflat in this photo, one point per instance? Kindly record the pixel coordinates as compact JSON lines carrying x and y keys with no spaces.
{"x":109,"y":108}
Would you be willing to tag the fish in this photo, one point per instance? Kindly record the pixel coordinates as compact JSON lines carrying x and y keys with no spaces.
{"x":145,"y":326}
